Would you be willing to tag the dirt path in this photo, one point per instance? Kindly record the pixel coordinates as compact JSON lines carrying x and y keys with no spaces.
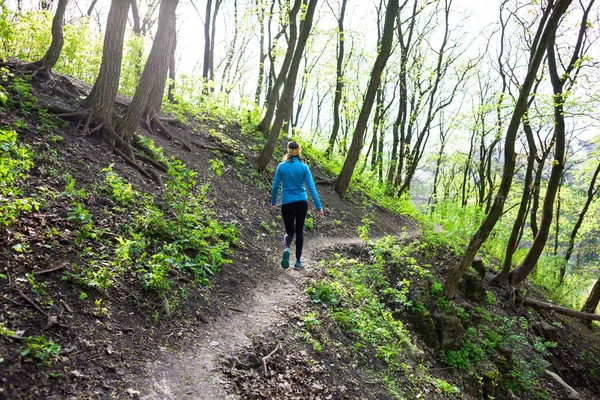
{"x":194,"y":373}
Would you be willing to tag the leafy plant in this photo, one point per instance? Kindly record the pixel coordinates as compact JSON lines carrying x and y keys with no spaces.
{"x":41,"y":349}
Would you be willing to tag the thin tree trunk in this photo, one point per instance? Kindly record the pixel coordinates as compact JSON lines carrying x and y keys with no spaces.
{"x":211,"y":51}
{"x":592,"y":301}
{"x":262,"y":55}
{"x":545,"y":34}
{"x":207,"y":43}
{"x":343,"y":180}
{"x":339,"y":82}
{"x":502,"y":277}
{"x":591,"y":193}
{"x":284,"y":105}
{"x":520,"y":274}
{"x":172,"y":76}
{"x":135,"y":15}
{"x":45,"y":65}
{"x":557,"y":223}
{"x":264,"y":125}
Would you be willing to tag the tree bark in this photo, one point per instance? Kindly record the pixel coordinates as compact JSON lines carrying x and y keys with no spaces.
{"x":101,"y":99}
{"x":172,"y":76}
{"x":513,"y":241}
{"x":339,"y":82}
{"x":284,"y":105}
{"x":265,"y":124}
{"x":135,"y":16}
{"x":592,"y":301}
{"x":207,"y":43}
{"x":545,"y":33}
{"x":45,"y":65}
{"x":343,"y":180}
{"x":148,"y":96}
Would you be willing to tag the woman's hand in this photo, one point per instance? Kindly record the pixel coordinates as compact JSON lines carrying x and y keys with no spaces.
{"x":320,"y":212}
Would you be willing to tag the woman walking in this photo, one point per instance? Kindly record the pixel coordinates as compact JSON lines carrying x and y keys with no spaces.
{"x":294,"y":177}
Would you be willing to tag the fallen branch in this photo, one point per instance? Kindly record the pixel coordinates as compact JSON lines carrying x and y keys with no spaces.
{"x":47,"y":271}
{"x":264,"y":359}
{"x":561,"y":310}
{"x":32,"y":303}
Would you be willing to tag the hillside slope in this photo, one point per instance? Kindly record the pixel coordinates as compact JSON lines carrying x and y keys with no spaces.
{"x":117,"y":291}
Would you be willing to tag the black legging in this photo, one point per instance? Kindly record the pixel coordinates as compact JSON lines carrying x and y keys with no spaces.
{"x":290,"y":212}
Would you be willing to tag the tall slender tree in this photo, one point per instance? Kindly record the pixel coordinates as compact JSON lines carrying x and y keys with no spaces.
{"x":284,"y":106}
{"x":43,"y":66}
{"x":265,"y":123}
{"x":339,"y":80}
{"x":544,"y":35}
{"x":558,"y":81}
{"x":591,"y":194}
{"x":343,"y":180}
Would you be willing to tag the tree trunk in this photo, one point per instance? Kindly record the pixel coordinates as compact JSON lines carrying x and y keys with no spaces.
{"x":135,"y":16}
{"x":591,"y":193}
{"x":343,"y":180}
{"x":172,"y":76}
{"x":535,"y":194}
{"x":45,"y":65}
{"x":211,"y":51}
{"x":264,"y":125}
{"x":518,"y":275}
{"x":101,"y":99}
{"x":592,"y":301}
{"x":513,"y":240}
{"x":339,"y":82}
{"x":148,"y":96}
{"x":545,"y":35}
{"x":284,"y":106}
{"x":206,"y":61}
{"x":260,"y":9}
{"x":399,"y":126}
{"x":230,"y":51}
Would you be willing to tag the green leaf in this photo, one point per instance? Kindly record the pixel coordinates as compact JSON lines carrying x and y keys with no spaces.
{"x":3,"y":98}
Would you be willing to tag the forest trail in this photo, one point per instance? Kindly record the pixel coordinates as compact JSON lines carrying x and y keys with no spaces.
{"x":195,"y":372}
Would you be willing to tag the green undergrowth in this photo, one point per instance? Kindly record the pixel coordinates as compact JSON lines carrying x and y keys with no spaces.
{"x":157,"y":240}
{"x":366,"y":297}
{"x":362,"y":301}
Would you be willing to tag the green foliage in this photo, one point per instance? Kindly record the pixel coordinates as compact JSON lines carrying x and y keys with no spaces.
{"x":358,"y":295}
{"x":15,"y":161}
{"x":495,"y":339}
{"x":118,"y":190}
{"x":41,"y":349}
{"x":217,"y":166}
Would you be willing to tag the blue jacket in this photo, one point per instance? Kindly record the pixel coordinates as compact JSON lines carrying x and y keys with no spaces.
{"x":295,"y":178}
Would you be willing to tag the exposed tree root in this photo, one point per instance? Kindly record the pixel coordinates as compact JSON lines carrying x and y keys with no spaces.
{"x":155,"y":120}
{"x":90,"y":123}
{"x":219,"y":149}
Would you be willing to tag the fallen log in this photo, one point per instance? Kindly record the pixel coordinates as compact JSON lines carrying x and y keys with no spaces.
{"x":558,"y":309}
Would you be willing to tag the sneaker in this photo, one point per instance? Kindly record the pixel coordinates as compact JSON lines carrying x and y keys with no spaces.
{"x":298,"y":266}
{"x":285,"y":260}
